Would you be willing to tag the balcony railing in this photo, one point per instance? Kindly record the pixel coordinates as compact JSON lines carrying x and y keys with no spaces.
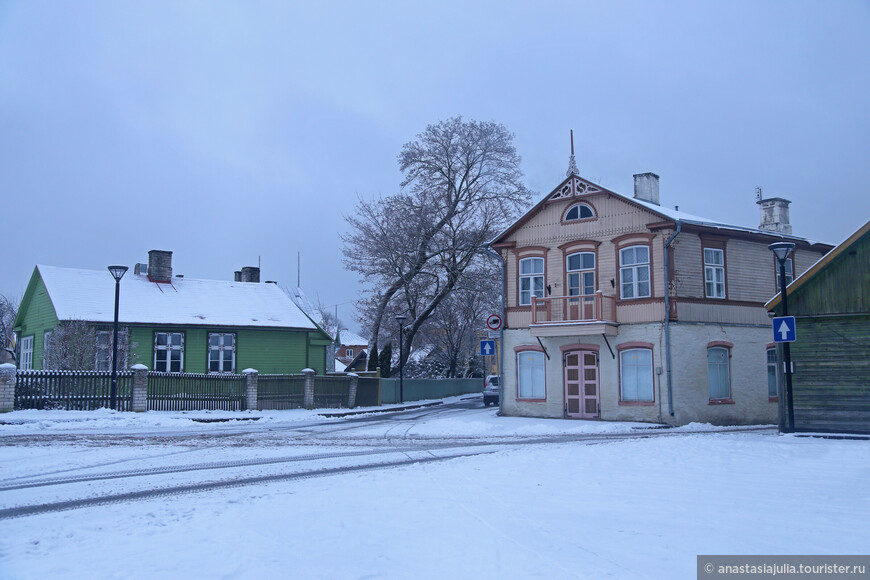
{"x":574,"y":309}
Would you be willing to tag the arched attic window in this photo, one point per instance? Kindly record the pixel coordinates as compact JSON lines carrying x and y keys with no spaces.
{"x":580,"y":211}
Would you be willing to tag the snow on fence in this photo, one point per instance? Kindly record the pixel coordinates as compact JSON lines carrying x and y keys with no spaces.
{"x":70,"y":390}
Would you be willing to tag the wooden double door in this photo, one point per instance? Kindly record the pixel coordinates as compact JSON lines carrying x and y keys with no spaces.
{"x":582,"y":397}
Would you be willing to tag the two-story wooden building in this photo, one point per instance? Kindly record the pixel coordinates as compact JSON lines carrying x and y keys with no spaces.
{"x":621,"y":309}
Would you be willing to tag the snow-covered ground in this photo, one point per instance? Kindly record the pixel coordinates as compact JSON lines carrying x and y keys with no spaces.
{"x":622,"y":508}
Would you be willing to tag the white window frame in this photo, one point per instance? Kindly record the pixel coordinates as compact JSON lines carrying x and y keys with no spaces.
{"x":224,"y":353}
{"x":632,"y":272}
{"x":25,"y":353}
{"x":348,"y":352}
{"x":103,"y":351}
{"x":714,"y":272}
{"x":579,"y":207}
{"x":789,"y":273}
{"x":529,"y":280}
{"x":772,"y":387}
{"x":582,"y":278}
{"x":46,"y":340}
{"x":717,"y":373}
{"x":531,"y":375}
{"x":632,"y":369}
{"x":168,"y":348}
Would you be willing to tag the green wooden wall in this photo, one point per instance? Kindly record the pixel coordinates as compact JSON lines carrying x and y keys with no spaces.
{"x":268,"y":351}
{"x":842,"y":287}
{"x":36,"y":316}
{"x":831,"y":380}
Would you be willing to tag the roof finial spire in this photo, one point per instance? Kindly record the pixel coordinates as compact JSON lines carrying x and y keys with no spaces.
{"x":572,"y":165}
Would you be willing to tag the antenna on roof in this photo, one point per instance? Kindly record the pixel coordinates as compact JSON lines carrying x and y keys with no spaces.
{"x":298,"y":270}
{"x":757,"y":194}
{"x":572,"y":165}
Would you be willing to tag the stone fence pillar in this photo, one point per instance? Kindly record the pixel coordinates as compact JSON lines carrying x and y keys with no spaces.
{"x":351,"y":395}
{"x":308,"y":399}
{"x":139,"y":404}
{"x":7,"y":387}
{"x":251,"y":389}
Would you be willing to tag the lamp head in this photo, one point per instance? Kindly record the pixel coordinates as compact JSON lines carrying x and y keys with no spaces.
{"x":781,"y":249}
{"x":401,"y":319}
{"x":118,"y":272}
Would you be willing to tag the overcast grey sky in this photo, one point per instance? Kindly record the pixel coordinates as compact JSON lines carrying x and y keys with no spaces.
{"x":228,"y":131}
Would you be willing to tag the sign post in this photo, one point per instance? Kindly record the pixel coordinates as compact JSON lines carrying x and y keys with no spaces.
{"x":784,"y":329}
{"x":493,"y":322}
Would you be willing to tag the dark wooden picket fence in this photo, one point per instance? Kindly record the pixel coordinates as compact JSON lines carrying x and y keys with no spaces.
{"x":70,"y":390}
{"x":193,"y":392}
{"x":279,"y":392}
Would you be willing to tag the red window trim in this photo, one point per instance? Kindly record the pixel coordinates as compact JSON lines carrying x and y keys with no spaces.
{"x":636,"y":345}
{"x":568,"y":347}
{"x":533,"y":348}
{"x":720,"y":344}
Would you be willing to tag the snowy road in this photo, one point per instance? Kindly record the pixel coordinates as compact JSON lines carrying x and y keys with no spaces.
{"x":445,"y":491}
{"x":164,"y":464}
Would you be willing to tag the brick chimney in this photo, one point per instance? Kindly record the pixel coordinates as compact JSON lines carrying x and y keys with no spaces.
{"x":250,"y":274}
{"x":774,"y":215}
{"x":646,"y":187}
{"x":160,"y":265}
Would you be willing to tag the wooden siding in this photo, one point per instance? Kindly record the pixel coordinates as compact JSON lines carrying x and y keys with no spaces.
{"x":38,"y":317}
{"x":842,"y":287}
{"x":628,"y":312}
{"x":614,"y":218}
{"x":268,"y":351}
{"x":750,"y":270}
{"x":273,"y":352}
{"x":722,"y":313}
{"x":831,"y":381}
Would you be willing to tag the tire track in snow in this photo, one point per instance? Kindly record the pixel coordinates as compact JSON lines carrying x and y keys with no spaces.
{"x":37,"y":509}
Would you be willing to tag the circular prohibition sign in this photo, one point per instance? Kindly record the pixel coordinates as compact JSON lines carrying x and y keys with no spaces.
{"x":493,"y":322}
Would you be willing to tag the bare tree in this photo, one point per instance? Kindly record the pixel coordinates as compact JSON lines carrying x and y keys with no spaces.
{"x":76,"y":345}
{"x":461,"y":186}
{"x":329,"y":320}
{"x":457,"y":322}
{"x":8,"y":311}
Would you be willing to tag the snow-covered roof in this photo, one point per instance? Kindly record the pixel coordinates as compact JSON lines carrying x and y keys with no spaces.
{"x":667,"y":213}
{"x":90,"y":295}
{"x":688,"y":218}
{"x":301,"y":300}
{"x":349,"y":338}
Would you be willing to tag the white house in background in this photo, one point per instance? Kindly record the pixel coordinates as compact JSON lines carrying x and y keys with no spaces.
{"x":619,"y":308}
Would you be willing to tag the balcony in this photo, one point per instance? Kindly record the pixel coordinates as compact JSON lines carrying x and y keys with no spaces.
{"x":574,"y":315}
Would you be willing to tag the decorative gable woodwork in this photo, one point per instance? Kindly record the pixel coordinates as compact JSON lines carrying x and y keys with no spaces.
{"x":573,"y":187}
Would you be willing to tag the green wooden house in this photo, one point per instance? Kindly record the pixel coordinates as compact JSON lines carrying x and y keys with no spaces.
{"x":831,"y":356}
{"x":174,"y":324}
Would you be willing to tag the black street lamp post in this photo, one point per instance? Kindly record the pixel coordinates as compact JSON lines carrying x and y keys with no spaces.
{"x":781,"y":250}
{"x":401,"y":320}
{"x":117,"y":273}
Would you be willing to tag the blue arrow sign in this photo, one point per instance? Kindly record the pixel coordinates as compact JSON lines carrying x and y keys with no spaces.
{"x":487,"y":347}
{"x":784,"y":329}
